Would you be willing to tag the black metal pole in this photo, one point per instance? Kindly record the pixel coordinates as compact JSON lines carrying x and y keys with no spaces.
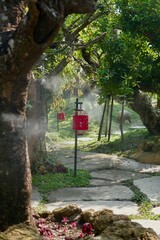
{"x":75,"y":153}
{"x":76,"y":140}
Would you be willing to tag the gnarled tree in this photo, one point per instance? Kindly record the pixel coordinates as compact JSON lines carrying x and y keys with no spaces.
{"x":27,"y":28}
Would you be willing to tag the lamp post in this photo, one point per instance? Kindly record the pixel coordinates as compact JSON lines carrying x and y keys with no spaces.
{"x":80,"y":122}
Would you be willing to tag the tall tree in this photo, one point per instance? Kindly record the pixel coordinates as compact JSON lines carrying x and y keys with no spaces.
{"x":130,"y":59}
{"x":27,"y":28}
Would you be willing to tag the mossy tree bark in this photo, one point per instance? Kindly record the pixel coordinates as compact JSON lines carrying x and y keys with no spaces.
{"x":23,"y":38}
{"x":150,"y":117}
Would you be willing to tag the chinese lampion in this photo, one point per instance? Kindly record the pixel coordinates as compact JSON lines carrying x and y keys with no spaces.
{"x":61,"y":116}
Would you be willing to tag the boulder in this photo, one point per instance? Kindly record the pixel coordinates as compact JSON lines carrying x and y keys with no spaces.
{"x":21,"y":232}
{"x":71,"y":212}
{"x":127,"y":230}
{"x":110,"y":226}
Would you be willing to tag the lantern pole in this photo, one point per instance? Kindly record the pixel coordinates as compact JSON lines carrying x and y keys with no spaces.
{"x":76,"y":136}
{"x":76,"y":139}
{"x":80,"y":122}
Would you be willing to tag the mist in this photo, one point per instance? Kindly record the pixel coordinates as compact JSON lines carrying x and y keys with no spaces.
{"x":91,"y":106}
{"x":30,"y":128}
{"x":53,"y":84}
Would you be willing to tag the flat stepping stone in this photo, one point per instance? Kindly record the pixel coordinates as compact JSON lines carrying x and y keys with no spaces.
{"x":99,"y":182}
{"x":154,"y":224}
{"x":156,"y":210}
{"x":97,"y":161}
{"x":116,"y":175}
{"x":150,"y":187}
{"x":91,"y":193}
{"x":118,"y":207}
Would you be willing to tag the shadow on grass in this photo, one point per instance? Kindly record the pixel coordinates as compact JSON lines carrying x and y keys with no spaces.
{"x":116,"y":146}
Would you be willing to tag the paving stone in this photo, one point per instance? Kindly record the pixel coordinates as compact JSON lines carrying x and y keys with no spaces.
{"x":150,"y":186}
{"x":156,"y":210}
{"x":99,"y":182}
{"x":116,"y":175}
{"x":91,"y":193}
{"x":98,"y":161}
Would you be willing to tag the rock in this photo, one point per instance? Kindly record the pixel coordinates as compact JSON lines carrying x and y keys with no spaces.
{"x":22,"y":232}
{"x":109,"y":226}
{"x":126,"y":230}
{"x":3,"y":236}
{"x":71,"y":211}
{"x":88,"y":216}
{"x":101,"y":219}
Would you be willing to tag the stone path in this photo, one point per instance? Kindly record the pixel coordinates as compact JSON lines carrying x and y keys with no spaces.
{"x":107,"y":189}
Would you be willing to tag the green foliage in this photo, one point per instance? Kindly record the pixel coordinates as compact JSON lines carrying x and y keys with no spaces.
{"x":145,"y":212}
{"x":65,"y":128}
{"x":141,"y":17}
{"x":28,"y":105}
{"x":151,"y":145}
{"x":130,"y":49}
{"x":125,"y":58}
{"x":50,"y":182}
{"x":145,"y":208}
{"x":40,"y":208}
{"x":128,"y":61}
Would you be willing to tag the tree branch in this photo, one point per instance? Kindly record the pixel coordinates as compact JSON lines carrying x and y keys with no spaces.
{"x":90,"y":43}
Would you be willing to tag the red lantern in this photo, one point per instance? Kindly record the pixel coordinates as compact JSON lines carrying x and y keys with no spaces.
{"x":80,"y":121}
{"x":61,"y":116}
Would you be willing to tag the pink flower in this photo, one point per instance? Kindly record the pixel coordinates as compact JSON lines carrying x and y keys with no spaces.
{"x":81,"y":235}
{"x":87,"y":228}
{"x":65,"y":220}
{"x":73,"y":224}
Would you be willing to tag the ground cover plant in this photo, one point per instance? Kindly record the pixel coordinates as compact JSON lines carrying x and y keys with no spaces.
{"x":49,"y":181}
{"x":116,"y":146}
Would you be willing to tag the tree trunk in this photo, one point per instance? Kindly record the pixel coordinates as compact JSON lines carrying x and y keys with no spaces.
{"x":110,"y":119}
{"x":102,"y":120}
{"x":15,"y":176}
{"x":36,"y":123}
{"x":141,"y":104}
{"x":107,"y":116}
{"x":121,"y":122}
{"x":23,"y":38}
